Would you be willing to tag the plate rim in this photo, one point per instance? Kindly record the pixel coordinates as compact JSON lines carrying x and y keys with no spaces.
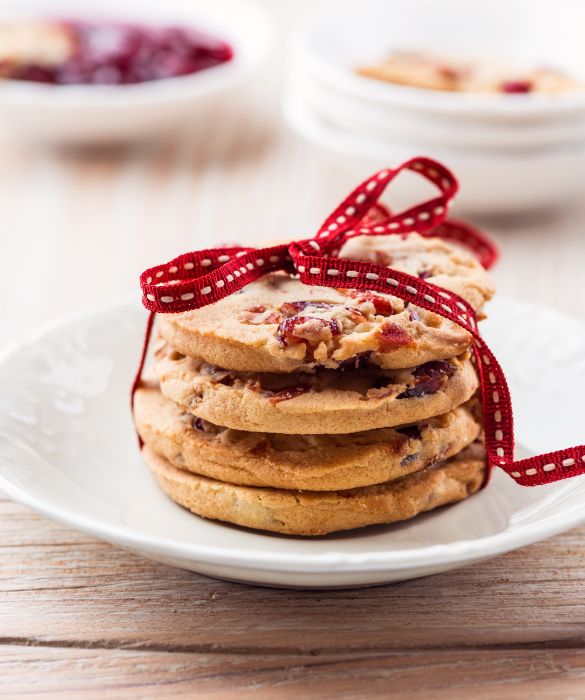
{"x":456,"y":553}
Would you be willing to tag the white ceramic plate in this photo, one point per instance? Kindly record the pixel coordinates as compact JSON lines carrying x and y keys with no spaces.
{"x":97,"y":113}
{"x":511,"y":153}
{"x":67,"y":450}
{"x":491,"y":179}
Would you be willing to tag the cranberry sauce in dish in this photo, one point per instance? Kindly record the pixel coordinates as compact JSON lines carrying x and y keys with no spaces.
{"x":76,"y":52}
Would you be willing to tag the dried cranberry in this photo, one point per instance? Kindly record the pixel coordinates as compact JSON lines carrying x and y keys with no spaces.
{"x":355,"y":362}
{"x":261,"y":448}
{"x":413,"y":315}
{"x":411,"y":431}
{"x":425,"y":274}
{"x":256,"y":309}
{"x":391,"y":336}
{"x":512,"y":87}
{"x":217,"y":374}
{"x":429,"y":378}
{"x":383,"y":306}
{"x":285,"y":329}
{"x":37,"y":74}
{"x":117,"y":53}
{"x":288,"y":393}
{"x":288,"y":330}
{"x":273,"y":318}
{"x":291,"y":308}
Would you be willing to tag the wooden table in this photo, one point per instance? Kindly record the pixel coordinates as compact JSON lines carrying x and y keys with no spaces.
{"x":81,"y":619}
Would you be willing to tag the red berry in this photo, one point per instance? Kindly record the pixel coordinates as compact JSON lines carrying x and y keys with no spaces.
{"x":383,"y":306}
{"x":392,"y":337}
{"x":516,"y":86}
{"x":117,"y":54}
{"x":429,"y":378}
{"x":288,"y":393}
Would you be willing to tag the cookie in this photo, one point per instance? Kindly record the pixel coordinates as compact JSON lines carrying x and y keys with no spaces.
{"x":279,"y":324}
{"x":359,"y":398}
{"x":304,"y":462}
{"x":433,"y":72}
{"x":322,"y":512}
{"x":432,"y":259}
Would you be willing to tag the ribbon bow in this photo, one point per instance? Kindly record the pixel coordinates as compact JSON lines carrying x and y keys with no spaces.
{"x":199,"y":278}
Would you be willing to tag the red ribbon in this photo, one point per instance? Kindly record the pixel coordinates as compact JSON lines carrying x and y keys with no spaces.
{"x":203,"y":277}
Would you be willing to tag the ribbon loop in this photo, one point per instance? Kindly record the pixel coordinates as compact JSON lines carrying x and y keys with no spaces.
{"x":347,"y":220}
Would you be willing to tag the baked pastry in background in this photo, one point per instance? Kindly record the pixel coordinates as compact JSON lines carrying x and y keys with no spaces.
{"x":426,"y":70}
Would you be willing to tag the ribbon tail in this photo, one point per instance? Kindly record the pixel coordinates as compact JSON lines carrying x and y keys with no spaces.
{"x":138,"y":377}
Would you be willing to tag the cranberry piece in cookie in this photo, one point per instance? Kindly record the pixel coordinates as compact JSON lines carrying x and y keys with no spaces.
{"x":391,"y":336}
{"x":429,"y":378}
{"x":382,"y":305}
{"x":287,"y":394}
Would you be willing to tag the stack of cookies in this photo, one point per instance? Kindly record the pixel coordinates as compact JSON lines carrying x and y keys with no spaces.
{"x":307,"y":410}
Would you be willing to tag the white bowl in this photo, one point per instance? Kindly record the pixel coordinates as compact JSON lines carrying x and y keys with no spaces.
{"x":491,"y":179}
{"x":95,"y":113}
{"x":509,"y":152}
{"x":381,"y":120}
{"x":337,"y":38}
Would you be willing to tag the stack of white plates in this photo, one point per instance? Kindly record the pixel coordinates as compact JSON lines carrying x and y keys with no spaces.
{"x":510,"y":151}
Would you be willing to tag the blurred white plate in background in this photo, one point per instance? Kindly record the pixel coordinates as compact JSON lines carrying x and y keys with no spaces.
{"x":103,"y":113}
{"x":68,"y":450}
{"x":492,"y":180}
{"x":510,"y":152}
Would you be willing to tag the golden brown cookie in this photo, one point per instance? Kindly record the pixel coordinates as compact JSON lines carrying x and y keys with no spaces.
{"x":304,"y":462}
{"x":330,"y":401}
{"x":432,"y":259}
{"x":322,"y":512}
{"x":279,"y":324}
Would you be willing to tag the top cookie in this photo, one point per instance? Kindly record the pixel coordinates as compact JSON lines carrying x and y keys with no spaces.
{"x":279,"y":324}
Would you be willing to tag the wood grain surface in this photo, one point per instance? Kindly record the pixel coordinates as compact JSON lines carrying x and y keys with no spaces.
{"x":80,"y":619}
